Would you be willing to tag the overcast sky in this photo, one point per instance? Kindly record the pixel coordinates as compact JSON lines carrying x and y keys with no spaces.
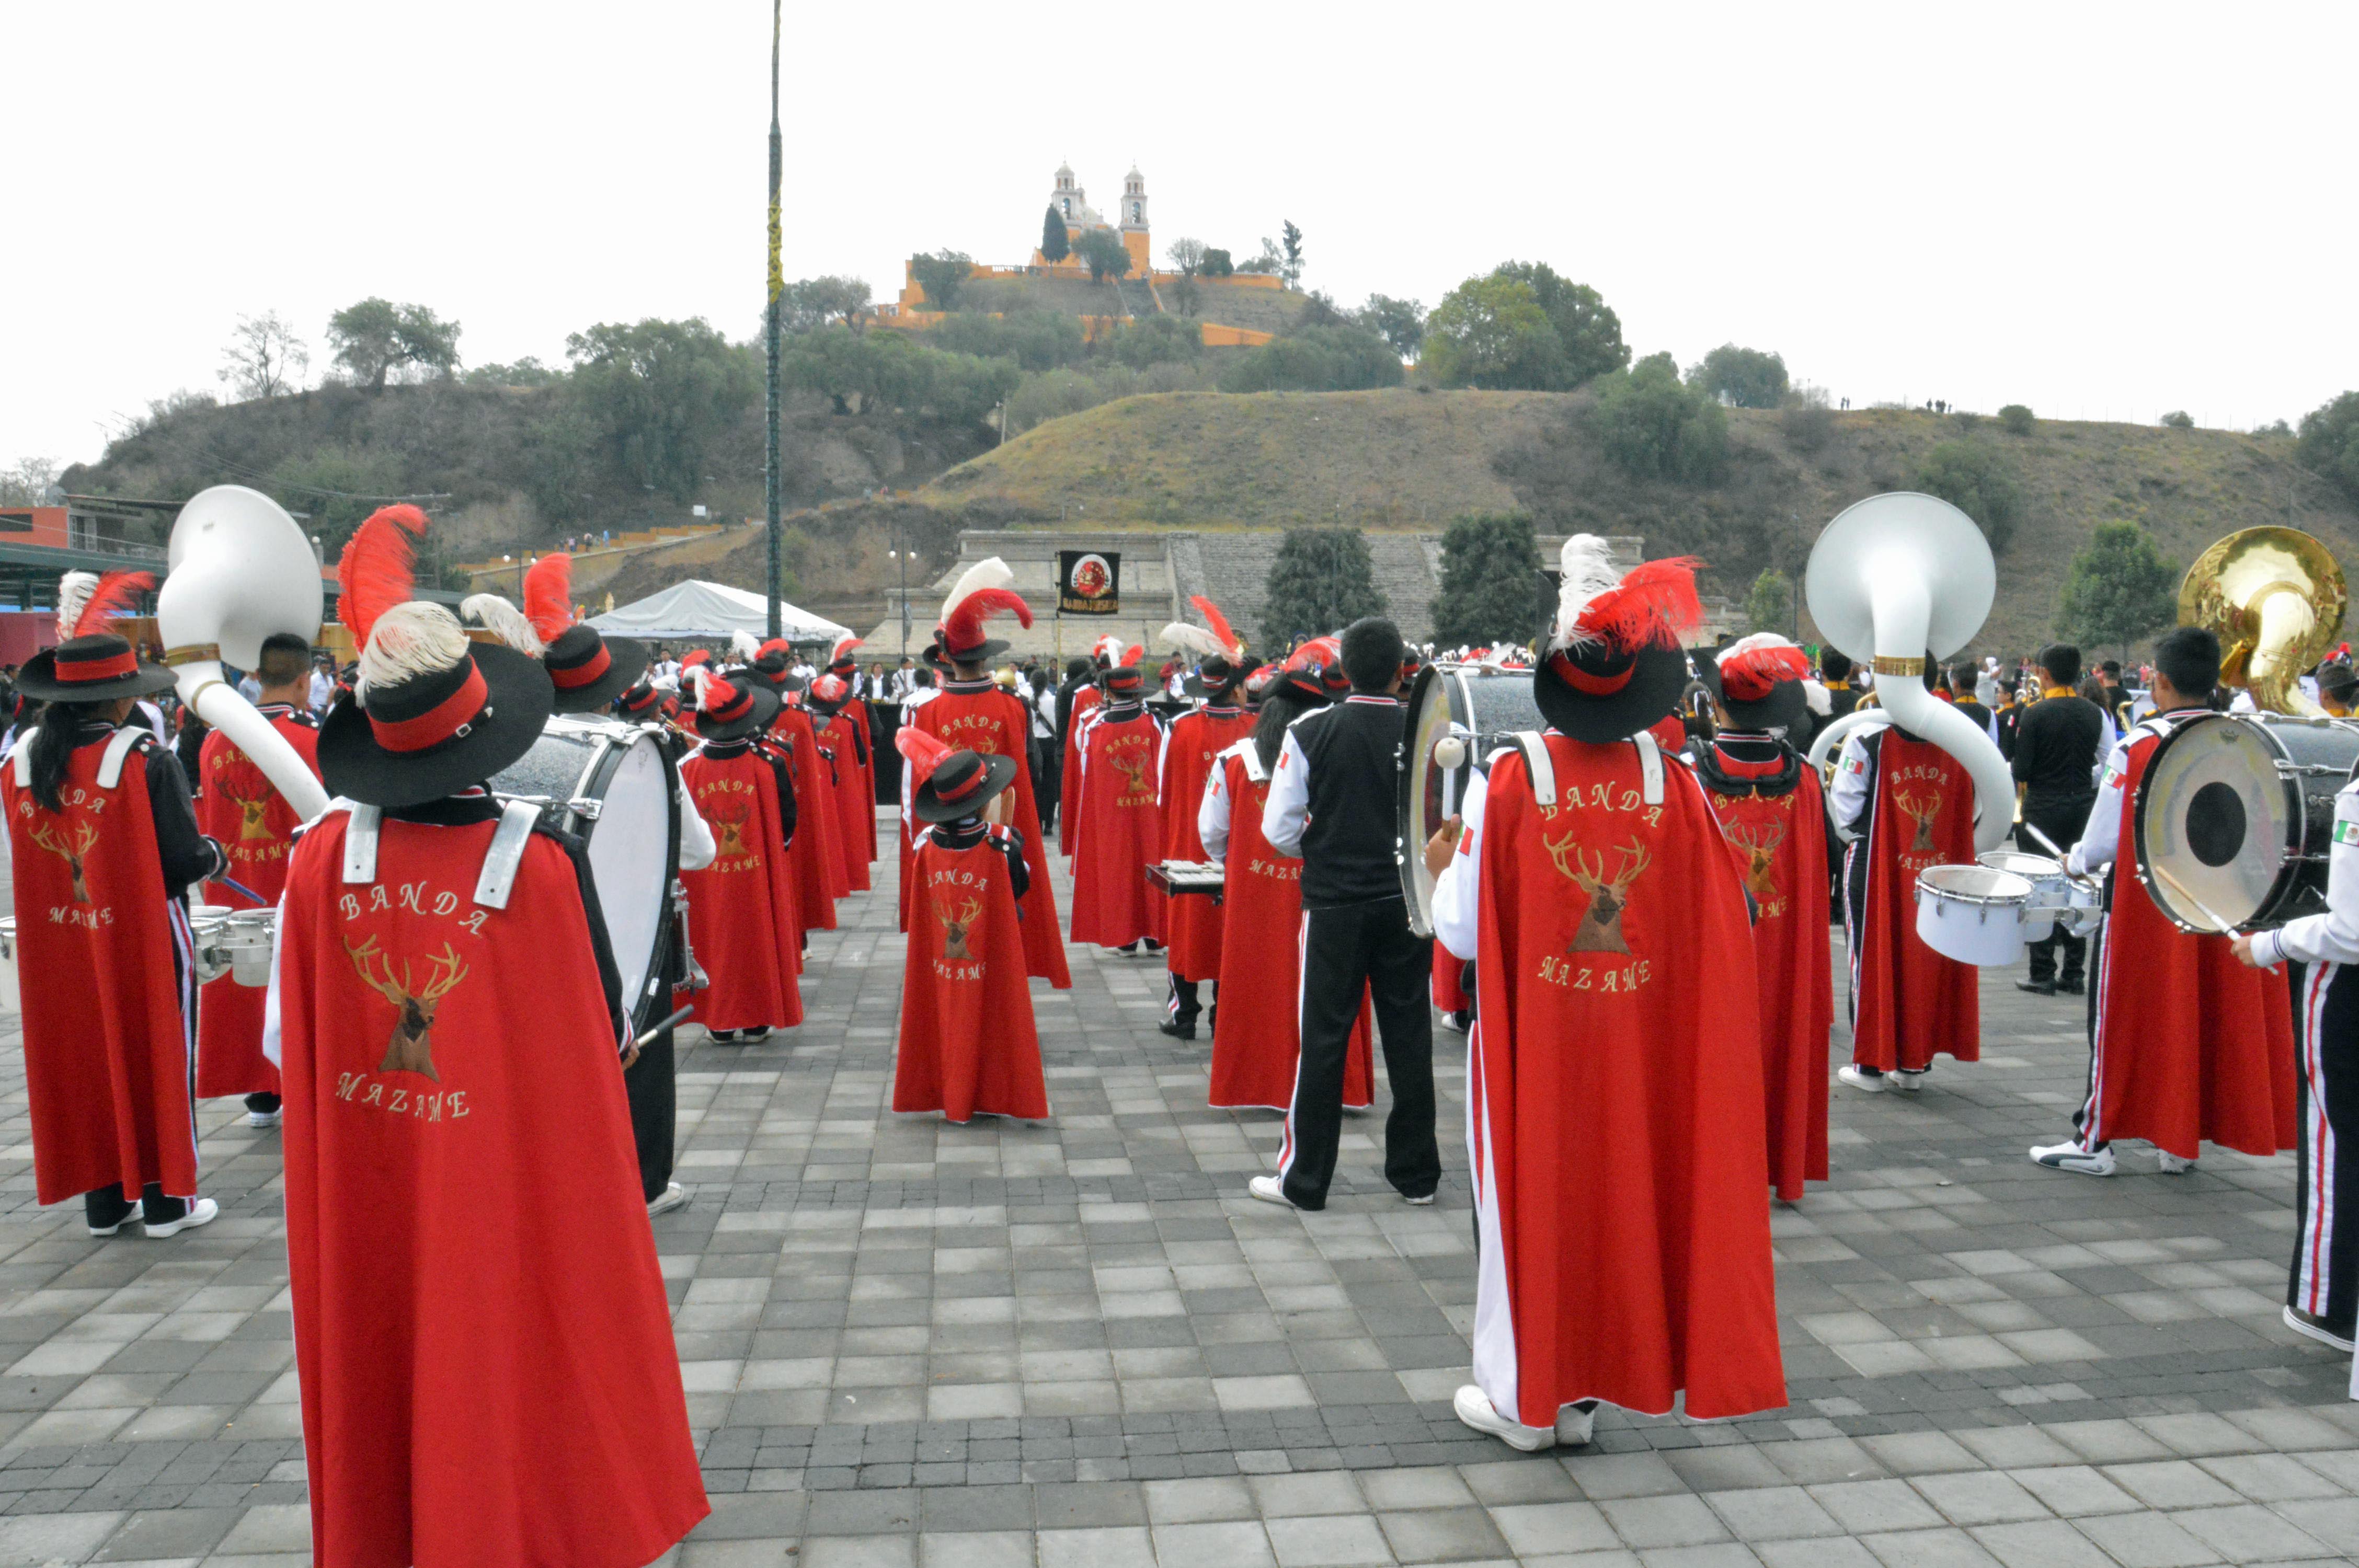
{"x":2104,"y":212}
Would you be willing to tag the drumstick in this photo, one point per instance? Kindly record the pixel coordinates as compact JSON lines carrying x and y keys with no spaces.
{"x":644,"y":1041}
{"x":240,"y":889}
{"x":2224,"y":926}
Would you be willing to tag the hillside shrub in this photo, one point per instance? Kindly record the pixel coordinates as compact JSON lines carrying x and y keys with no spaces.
{"x":1769,"y":603}
{"x":662,"y":392}
{"x":1317,"y":359}
{"x":891,"y":370}
{"x":1653,"y":427}
{"x":941,"y":276}
{"x":1979,"y":481}
{"x":2015,"y":419}
{"x":2329,"y":443}
{"x":1490,"y":581}
{"x":1522,"y":327}
{"x":1808,"y":425}
{"x":1321,"y":580}
{"x":1217,"y":263}
{"x":1157,"y":339}
{"x":2179,"y":419}
{"x":1749,"y":378}
{"x":1034,"y":340}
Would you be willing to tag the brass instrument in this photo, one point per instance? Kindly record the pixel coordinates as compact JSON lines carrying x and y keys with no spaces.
{"x":2275,"y":598}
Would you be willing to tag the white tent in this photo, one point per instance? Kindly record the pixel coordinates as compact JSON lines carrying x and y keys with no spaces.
{"x":703,"y":611}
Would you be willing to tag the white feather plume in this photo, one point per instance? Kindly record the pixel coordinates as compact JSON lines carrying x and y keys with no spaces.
{"x":992,"y":573}
{"x":744,"y":646}
{"x":1818,"y":698}
{"x":696,"y":676}
{"x":1588,"y":572}
{"x":74,"y":589}
{"x":1195,"y":640}
{"x":503,"y":620}
{"x":1752,"y":643}
{"x":1109,"y":648}
{"x":409,"y":641}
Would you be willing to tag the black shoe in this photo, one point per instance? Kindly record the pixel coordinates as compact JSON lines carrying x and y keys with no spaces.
{"x":1178,"y":1028}
{"x":2069,"y":987}
{"x":2036,"y":987}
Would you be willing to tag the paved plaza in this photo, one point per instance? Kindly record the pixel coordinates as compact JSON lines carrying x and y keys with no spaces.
{"x":1079,"y":1345}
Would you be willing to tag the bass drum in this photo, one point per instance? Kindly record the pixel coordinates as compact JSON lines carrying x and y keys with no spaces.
{"x":2234,"y":816}
{"x":612,"y":786}
{"x":1474,"y":708}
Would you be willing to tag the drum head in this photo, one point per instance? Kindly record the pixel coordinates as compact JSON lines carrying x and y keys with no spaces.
{"x":631,"y":860}
{"x":1419,"y":809}
{"x":1976,"y":884}
{"x":2214,"y":821}
{"x":2031,"y":868}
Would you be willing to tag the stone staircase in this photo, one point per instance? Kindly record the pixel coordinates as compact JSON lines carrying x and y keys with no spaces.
{"x":1232,"y":570}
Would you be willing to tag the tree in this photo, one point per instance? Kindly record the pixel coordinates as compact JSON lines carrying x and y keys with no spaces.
{"x":1316,"y":359}
{"x":1490,"y":581}
{"x":27,"y":481}
{"x":1055,"y":243}
{"x":1186,"y":255}
{"x":2015,"y":419}
{"x":1653,"y":428}
{"x":2119,"y":589}
{"x":265,"y":358}
{"x":376,"y":337}
{"x":1400,"y":322}
{"x":1322,"y":579}
{"x":1188,"y":294}
{"x":1269,"y":261}
{"x":1217,"y":263}
{"x":662,"y":392}
{"x":2329,"y":443}
{"x":1749,"y":378}
{"x":1103,"y":252}
{"x":526,"y":372}
{"x":1589,"y":330}
{"x":1980,"y":482}
{"x":2179,"y":419}
{"x":1769,"y":605}
{"x":811,"y":303}
{"x":1290,"y":264}
{"x":1157,"y":339}
{"x":941,"y":275}
{"x":1490,"y":332}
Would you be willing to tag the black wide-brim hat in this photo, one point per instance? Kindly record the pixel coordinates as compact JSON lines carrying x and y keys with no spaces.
{"x":356,"y":761}
{"x":970,"y":778}
{"x":1783,"y":708}
{"x":753,"y":721}
{"x":1656,"y":677}
{"x":592,"y":671}
{"x":982,"y":652}
{"x":1214,"y":677}
{"x":96,"y":668}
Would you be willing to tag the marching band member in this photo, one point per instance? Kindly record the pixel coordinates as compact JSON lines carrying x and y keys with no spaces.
{"x":971,"y":713}
{"x":845,"y":668}
{"x":479,"y":1384}
{"x":2185,"y":1046}
{"x":814,"y":862}
{"x":1613,"y":1107}
{"x":104,"y":844}
{"x":1330,"y":802}
{"x":1912,"y":805}
{"x":1258,"y":1041}
{"x":1103,"y":655}
{"x":850,"y":794}
{"x":1117,"y":822}
{"x":1192,"y":953}
{"x":1765,"y":795}
{"x":2051,"y":748}
{"x":968,"y":1045}
{"x":239,"y":807}
{"x":745,"y":901}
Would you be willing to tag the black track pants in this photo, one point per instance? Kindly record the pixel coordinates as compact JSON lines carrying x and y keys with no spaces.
{"x":1362,"y":949}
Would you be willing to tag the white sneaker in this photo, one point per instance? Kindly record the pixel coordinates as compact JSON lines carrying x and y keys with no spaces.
{"x":1575,"y":1423}
{"x":1425,"y":1202}
{"x":1906,"y":1081}
{"x":1866,"y":1083}
{"x":203,"y":1211}
{"x":1474,"y":1408}
{"x":1270,"y":1189}
{"x":672,"y":1198}
{"x":133,"y":1218}
{"x":266,"y":1118}
{"x":2170,"y":1164}
{"x":2073,"y":1157}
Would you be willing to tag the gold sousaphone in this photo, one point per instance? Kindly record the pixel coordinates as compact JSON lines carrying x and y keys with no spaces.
{"x":2275,"y":598}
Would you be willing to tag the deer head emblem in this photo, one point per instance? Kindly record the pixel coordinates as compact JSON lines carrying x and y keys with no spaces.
{"x":1600,"y":930}
{"x":956,"y":931}
{"x":1132,"y":768}
{"x":732,"y":830}
{"x":1920,"y":812}
{"x":1760,"y":846}
{"x":253,"y":826}
{"x":85,"y":834}
{"x":411,"y":1047}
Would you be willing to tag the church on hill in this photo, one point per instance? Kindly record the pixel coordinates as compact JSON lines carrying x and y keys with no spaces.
{"x":1130,"y":221}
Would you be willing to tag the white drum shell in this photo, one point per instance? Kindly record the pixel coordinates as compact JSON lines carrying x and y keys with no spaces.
{"x":1972,"y":915}
{"x":2052,"y":890}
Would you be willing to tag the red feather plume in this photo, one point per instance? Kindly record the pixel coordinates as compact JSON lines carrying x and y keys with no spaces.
{"x":1653,"y":606}
{"x":1131,"y":658}
{"x":1218,"y":625}
{"x":378,"y":568}
{"x":843,"y":649}
{"x":1752,"y":674}
{"x":963,"y":629}
{"x":548,"y":595}
{"x":925,"y":752}
{"x":116,"y":593}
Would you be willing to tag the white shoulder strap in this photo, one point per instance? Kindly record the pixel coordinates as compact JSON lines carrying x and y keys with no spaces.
{"x":360,"y":843}
{"x":1248,"y":753}
{"x":1650,"y":766}
{"x":21,"y":753}
{"x":110,"y":766}
{"x":517,"y":818}
{"x":1538,"y":764}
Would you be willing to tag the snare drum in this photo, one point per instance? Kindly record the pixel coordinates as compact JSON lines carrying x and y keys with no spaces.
{"x":2234,"y":816}
{"x":1974,"y":915}
{"x":2052,"y":890}
{"x":612,"y":786}
{"x":206,"y":924}
{"x":246,"y":939}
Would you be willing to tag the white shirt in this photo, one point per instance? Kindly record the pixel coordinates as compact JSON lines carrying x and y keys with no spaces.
{"x":2331,"y":938}
{"x":1212,"y":811}
{"x":697,"y":849}
{"x":1847,"y":796}
{"x":1457,"y":903}
{"x":323,"y":689}
{"x":248,"y":687}
{"x":2101,"y":841}
{"x":1286,"y":812}
{"x":154,"y":719}
{"x":1044,"y":714}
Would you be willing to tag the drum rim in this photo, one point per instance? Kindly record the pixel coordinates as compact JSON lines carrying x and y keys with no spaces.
{"x":614,"y":744}
{"x":1995,"y":896}
{"x":2288,"y":849}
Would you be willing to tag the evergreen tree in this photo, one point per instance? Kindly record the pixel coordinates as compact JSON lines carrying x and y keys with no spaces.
{"x":2120,"y":588}
{"x":1322,"y":580}
{"x":1490,"y":581}
{"x":1054,"y":247}
{"x":1770,"y":606}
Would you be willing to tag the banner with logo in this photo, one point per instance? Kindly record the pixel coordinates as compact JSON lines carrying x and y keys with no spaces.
{"x":1089,"y":582}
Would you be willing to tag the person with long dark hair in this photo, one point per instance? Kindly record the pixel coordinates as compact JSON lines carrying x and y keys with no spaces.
{"x":103,"y":844}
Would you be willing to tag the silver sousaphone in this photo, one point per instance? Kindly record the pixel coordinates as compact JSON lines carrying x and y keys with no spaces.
{"x":1456,"y":716}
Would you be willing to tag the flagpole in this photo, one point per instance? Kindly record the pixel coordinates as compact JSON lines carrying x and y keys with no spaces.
{"x":770,"y":341}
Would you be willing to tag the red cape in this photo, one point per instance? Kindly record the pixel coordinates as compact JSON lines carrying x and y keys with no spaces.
{"x":1616,"y":1128}
{"x":1910,"y":1004}
{"x":819,"y":875}
{"x":967,"y":1041}
{"x":1449,"y":981}
{"x":1257,"y":1037}
{"x":740,"y":906}
{"x":2190,"y":1044}
{"x":1121,"y":830}
{"x":848,"y":798}
{"x":106,"y":1046}
{"x":1069,"y":831}
{"x":482,"y":1387}
{"x":1196,"y":740}
{"x":1783,"y":841}
{"x":856,"y":712}
{"x":244,"y":812}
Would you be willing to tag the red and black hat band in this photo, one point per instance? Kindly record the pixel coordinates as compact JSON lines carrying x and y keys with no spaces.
{"x":95,"y":658}
{"x":578,"y":658}
{"x":726,"y":702}
{"x":442,"y":708}
{"x":1591,"y":680}
{"x":971,"y":774}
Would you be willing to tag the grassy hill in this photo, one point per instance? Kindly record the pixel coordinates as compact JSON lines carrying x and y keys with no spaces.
{"x":1414,"y":459}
